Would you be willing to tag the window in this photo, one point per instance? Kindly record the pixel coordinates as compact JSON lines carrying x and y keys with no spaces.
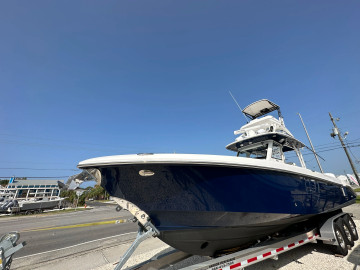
{"x":257,"y":150}
{"x":276,"y":152}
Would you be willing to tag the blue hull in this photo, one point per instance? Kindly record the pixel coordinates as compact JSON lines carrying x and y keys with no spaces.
{"x":202,"y":209}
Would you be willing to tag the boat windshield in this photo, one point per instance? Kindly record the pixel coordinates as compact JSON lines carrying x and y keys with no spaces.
{"x":260,"y":151}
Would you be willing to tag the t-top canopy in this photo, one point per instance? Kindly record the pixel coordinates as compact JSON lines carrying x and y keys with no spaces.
{"x":259,"y":108}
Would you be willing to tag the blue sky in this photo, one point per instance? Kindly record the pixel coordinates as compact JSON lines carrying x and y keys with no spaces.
{"x":81,"y":79}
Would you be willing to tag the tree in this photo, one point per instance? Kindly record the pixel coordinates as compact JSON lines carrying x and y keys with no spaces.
{"x":4,"y":182}
{"x":97,"y":193}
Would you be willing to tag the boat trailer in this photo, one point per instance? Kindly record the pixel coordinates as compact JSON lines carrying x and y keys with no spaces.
{"x":238,"y":260}
{"x":8,"y":247}
{"x":335,"y":231}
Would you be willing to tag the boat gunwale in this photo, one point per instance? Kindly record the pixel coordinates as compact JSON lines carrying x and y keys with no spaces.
{"x":249,"y":163}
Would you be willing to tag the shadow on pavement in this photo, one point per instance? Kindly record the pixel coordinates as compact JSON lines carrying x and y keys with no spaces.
{"x":354,"y":256}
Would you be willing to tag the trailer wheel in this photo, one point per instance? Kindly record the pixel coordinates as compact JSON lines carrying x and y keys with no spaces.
{"x":352,"y":227}
{"x":340,"y":237}
{"x":349,"y":239}
{"x":118,"y":208}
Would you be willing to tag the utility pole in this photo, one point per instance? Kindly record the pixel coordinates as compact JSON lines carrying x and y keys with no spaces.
{"x":337,"y":132}
{"x":312,"y":147}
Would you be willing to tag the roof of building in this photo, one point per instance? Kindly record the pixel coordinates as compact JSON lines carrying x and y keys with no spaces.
{"x":35,"y":182}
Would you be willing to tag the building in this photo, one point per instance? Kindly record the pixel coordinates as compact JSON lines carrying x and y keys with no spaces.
{"x":28,"y":189}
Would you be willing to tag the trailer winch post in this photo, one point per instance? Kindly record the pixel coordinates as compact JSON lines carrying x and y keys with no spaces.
{"x":143,"y":233}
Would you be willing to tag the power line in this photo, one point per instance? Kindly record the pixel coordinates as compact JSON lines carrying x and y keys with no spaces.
{"x":326,"y":150}
{"x":337,"y":133}
{"x":319,"y":145}
{"x":333,"y":144}
{"x":55,"y":142}
{"x":356,"y":160}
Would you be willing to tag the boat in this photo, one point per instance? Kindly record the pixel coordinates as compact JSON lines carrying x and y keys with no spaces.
{"x":208,"y":204}
{"x":30,"y":196}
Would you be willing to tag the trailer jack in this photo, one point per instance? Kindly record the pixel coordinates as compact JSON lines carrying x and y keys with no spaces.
{"x":144,"y":232}
{"x":146,"y":229}
{"x":8,"y":247}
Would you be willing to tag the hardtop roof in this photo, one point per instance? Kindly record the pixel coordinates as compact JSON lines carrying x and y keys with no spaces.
{"x":260,"y":108}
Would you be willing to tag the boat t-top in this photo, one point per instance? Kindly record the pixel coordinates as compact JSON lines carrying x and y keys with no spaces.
{"x":267,"y":137}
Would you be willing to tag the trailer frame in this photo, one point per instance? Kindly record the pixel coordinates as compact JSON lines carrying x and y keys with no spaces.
{"x":321,"y":229}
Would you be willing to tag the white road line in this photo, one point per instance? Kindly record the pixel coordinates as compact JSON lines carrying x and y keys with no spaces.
{"x":72,"y":246}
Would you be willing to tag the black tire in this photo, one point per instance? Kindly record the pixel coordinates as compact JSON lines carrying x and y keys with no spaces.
{"x":352,"y":226}
{"x":349,"y":239}
{"x":341,"y":248}
{"x":118,"y":208}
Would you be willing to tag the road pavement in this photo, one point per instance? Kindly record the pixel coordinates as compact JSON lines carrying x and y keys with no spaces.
{"x":68,"y":231}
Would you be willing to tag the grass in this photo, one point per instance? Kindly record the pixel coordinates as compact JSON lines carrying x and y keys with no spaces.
{"x":358,"y":199}
{"x":357,"y":189}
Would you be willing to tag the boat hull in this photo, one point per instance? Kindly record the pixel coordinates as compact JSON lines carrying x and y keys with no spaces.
{"x":40,"y":205}
{"x":201,"y":209}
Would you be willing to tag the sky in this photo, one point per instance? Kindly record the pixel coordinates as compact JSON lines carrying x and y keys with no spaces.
{"x":82,"y":79}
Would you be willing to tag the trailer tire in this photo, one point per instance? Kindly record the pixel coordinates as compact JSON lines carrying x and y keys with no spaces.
{"x":352,"y":226}
{"x":341,"y":247}
{"x":349,"y":239}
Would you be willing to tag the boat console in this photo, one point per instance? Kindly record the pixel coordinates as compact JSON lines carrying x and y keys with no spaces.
{"x":266,"y":137}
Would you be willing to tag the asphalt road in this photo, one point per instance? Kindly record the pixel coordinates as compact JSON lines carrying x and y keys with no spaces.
{"x":44,"y":233}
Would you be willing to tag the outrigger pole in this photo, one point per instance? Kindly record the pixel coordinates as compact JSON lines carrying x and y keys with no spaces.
{"x":312,"y":147}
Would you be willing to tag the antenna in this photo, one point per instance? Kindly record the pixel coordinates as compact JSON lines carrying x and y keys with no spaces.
{"x":238,"y":106}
